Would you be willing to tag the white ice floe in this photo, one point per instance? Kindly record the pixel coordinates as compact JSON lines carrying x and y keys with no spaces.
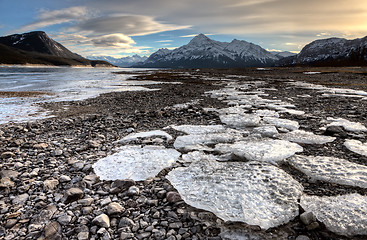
{"x":344,"y":214}
{"x":356,"y":146}
{"x":347,"y":125}
{"x":201,"y":141}
{"x":261,"y":150}
{"x":311,"y":73}
{"x":293,"y":111}
{"x":331,"y":169}
{"x":231,"y":110}
{"x":199,"y":129}
{"x":267,"y":113}
{"x":266,"y":131}
{"x":141,"y":135}
{"x":300,"y":136}
{"x":135,"y":162}
{"x":240,"y":120}
{"x":282,"y":123}
{"x":199,"y":156}
{"x":253,"y":192}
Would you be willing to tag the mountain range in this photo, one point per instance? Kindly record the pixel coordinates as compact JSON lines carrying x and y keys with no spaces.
{"x":38,"y":48}
{"x":200,"y":52}
{"x":331,"y":52}
{"x":203,"y":52}
{"x":121,"y":62}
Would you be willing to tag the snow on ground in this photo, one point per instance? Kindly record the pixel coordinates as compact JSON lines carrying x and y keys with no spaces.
{"x":344,"y":215}
{"x":255,"y":193}
{"x":300,"y":136}
{"x":346,"y":124}
{"x":135,"y":162}
{"x":266,"y":150}
{"x":331,"y":169}
{"x":356,"y":146}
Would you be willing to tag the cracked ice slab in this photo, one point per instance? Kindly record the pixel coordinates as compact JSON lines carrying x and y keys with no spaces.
{"x":240,"y":120}
{"x":331,"y":169}
{"x":356,"y":146}
{"x":344,"y":215}
{"x":282,"y":123}
{"x":199,"y":129}
{"x":142,"y":135}
{"x":300,"y":136}
{"x":256,"y":193}
{"x":200,"y":141}
{"x":135,"y":162}
{"x":347,"y":125}
{"x":261,"y":150}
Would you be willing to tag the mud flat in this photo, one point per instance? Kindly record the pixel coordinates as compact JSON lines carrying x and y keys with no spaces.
{"x":273,"y":121}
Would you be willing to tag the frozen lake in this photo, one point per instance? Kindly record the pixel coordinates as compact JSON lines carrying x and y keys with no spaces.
{"x":62,"y":83}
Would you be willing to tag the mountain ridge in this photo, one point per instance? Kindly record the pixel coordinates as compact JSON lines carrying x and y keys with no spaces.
{"x":38,"y":48}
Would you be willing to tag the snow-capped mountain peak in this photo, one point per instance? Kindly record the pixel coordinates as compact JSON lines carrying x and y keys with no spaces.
{"x":202,"y":51}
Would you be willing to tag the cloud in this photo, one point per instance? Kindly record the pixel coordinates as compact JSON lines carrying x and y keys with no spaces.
{"x":194,"y":35}
{"x":130,"y":25}
{"x":116,"y":40}
{"x":49,"y":18}
{"x":164,"y":41}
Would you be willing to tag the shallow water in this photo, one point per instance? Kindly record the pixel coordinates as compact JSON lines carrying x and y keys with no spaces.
{"x":62,"y":84}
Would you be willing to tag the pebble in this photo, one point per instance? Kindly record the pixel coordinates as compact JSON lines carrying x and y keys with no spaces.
{"x":114,"y":208}
{"x":73,"y":194}
{"x":102,"y":220}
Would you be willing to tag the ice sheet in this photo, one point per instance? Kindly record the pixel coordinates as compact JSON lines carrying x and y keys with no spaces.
{"x":195,"y":142}
{"x":300,"y":136}
{"x":283,"y":123}
{"x":240,"y":120}
{"x":356,"y":146}
{"x":135,"y":162}
{"x":344,"y":215}
{"x":199,"y":129}
{"x":261,"y":150}
{"x":331,"y":169}
{"x":255,"y":193}
{"x":141,"y":135}
{"x":347,"y":125}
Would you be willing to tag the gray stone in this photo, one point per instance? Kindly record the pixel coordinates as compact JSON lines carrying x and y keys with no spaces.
{"x":125,"y":235}
{"x":52,"y":231}
{"x":175,"y":225}
{"x":302,"y":237}
{"x":123,"y":185}
{"x":20,"y":199}
{"x":86,"y":201}
{"x":73,"y":194}
{"x":126,"y":222}
{"x":307,"y":218}
{"x":83,"y":236}
{"x":102,"y":220}
{"x":64,"y":178}
{"x":114,"y":208}
{"x":133,"y":190}
{"x":64,"y":219}
{"x":173,"y":197}
{"x":50,"y":184}
{"x":6,"y":155}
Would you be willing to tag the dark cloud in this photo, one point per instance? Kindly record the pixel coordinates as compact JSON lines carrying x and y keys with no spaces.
{"x":131,"y":25}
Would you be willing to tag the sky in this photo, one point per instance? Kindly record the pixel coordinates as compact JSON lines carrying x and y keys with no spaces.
{"x":126,"y":27}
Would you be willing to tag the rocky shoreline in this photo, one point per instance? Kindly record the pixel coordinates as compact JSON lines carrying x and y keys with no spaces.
{"x":49,"y":189}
